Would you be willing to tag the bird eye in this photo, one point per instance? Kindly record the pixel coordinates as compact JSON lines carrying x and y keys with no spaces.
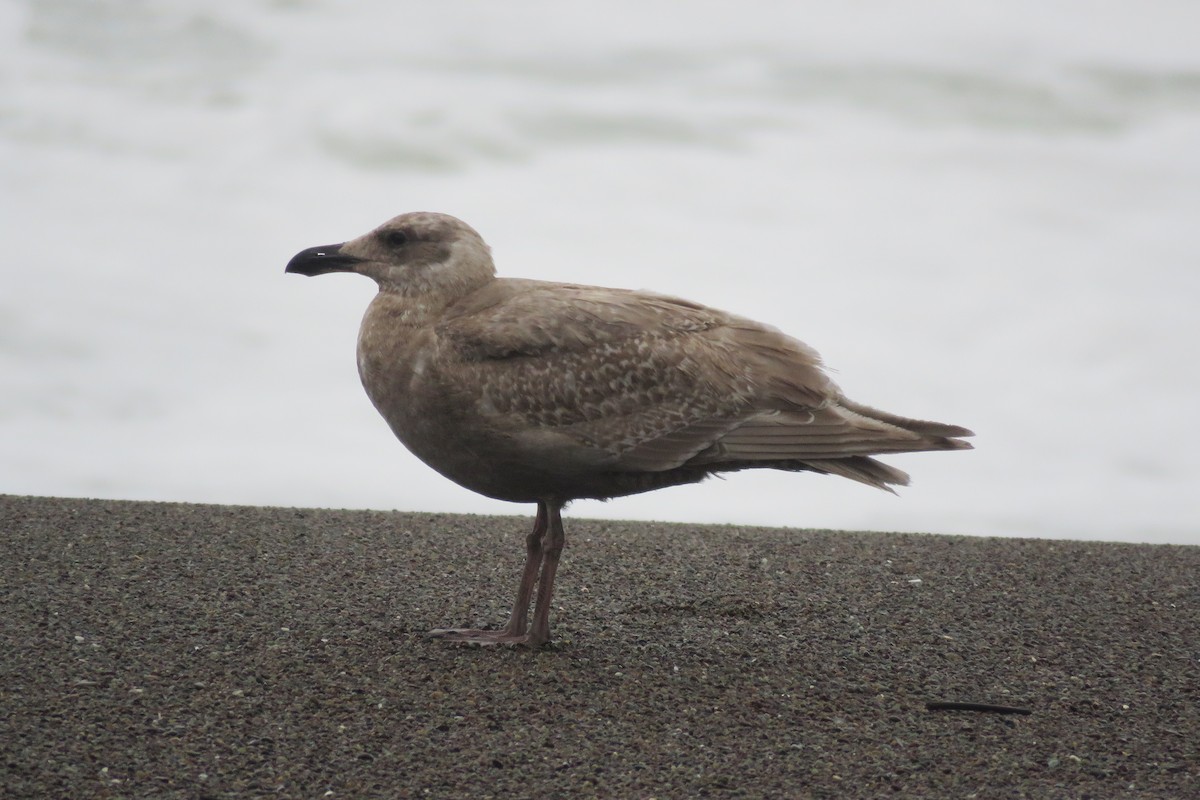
{"x":395,"y":238}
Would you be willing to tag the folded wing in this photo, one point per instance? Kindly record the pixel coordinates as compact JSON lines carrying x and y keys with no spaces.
{"x":659,"y":384}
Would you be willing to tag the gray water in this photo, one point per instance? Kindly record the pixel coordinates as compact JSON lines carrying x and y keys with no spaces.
{"x":986,"y":218}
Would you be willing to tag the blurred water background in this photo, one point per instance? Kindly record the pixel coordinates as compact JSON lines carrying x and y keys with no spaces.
{"x":981,"y":213}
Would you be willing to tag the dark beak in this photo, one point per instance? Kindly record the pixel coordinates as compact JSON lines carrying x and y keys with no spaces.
{"x":319,"y":260}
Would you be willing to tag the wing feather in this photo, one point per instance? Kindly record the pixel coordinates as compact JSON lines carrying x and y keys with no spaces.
{"x":655,"y":383}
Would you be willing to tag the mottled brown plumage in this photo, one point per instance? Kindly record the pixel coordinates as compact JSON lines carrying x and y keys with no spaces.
{"x":539,"y":392}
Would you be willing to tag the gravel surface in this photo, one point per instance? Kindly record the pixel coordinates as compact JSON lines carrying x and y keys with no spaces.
{"x":187,"y":651}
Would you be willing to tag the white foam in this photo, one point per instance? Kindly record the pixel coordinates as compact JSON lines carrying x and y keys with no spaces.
{"x":982,"y":219}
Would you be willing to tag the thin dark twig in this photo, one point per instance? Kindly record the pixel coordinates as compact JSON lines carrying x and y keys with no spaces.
{"x":950,"y":705}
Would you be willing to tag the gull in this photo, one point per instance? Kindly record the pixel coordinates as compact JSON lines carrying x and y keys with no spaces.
{"x":540,"y":392}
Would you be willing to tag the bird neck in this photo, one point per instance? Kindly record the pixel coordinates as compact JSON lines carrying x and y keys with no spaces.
{"x":393,"y":308}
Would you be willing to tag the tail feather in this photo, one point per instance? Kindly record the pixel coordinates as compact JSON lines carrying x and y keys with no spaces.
{"x":836,"y":440}
{"x":861,"y":469}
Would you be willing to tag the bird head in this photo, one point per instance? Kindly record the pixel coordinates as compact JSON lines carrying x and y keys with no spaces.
{"x":419,"y":254}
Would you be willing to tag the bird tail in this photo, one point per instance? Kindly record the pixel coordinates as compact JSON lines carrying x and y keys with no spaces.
{"x":858,"y":468}
{"x":863,"y":432}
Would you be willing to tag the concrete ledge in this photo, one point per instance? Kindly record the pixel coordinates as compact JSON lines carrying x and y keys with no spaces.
{"x":167,"y":650}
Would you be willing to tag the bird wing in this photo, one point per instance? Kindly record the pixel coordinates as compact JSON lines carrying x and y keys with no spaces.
{"x":630,"y":374}
{"x":655,"y":382}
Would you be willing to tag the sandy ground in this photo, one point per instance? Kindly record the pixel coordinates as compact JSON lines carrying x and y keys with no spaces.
{"x":164,"y":650}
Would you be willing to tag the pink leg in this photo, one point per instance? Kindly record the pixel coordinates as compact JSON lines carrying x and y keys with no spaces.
{"x":515,"y":631}
{"x":552,"y":548}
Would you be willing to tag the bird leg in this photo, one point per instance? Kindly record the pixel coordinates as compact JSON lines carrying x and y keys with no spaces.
{"x":552,"y":547}
{"x":515,"y":632}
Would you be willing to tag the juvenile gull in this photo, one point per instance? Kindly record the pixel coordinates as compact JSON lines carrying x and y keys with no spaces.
{"x":537,"y":392}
